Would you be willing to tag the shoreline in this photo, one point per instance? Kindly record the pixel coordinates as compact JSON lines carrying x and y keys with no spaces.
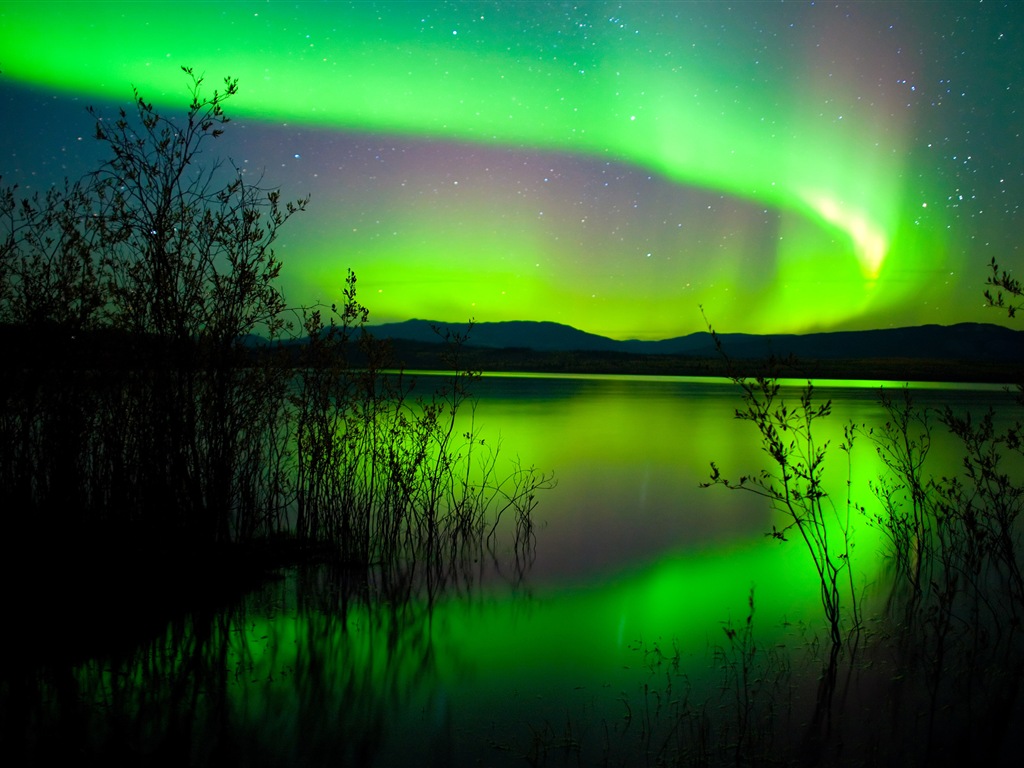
{"x":498,"y":361}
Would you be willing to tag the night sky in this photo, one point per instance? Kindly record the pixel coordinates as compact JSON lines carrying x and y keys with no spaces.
{"x":790,"y":166}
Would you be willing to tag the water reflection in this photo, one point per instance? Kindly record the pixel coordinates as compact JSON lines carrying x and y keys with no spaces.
{"x":280,"y":679}
{"x":322,"y":667}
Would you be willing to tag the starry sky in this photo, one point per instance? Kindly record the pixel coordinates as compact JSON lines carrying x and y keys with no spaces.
{"x":789,"y":166}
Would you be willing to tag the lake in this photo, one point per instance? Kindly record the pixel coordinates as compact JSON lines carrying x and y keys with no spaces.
{"x":633,"y":563}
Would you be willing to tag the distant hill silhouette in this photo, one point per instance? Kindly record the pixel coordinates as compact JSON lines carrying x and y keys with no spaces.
{"x":963,"y":341}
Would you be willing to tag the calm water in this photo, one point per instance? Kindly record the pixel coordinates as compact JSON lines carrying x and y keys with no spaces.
{"x":630,"y":554}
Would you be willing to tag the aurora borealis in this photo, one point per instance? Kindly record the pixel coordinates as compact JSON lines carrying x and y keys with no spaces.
{"x":613,"y":166}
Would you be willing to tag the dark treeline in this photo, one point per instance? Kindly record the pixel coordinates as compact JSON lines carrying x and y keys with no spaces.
{"x":56,"y":347}
{"x":418,"y":355}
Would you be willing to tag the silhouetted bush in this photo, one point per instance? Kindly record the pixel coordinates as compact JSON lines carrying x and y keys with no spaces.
{"x":153,"y":415}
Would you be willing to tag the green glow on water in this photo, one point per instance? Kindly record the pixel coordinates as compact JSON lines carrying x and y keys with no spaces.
{"x":296,"y":674}
{"x":497,"y":663}
{"x":840,"y":234}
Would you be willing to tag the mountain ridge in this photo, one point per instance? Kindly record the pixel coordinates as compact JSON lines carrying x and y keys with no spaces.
{"x":959,"y":341}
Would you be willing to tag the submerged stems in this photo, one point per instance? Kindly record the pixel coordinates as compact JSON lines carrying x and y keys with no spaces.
{"x":793,"y":485}
{"x":421,"y":490}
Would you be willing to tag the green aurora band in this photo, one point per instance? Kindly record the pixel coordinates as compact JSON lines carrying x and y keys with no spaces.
{"x":815,"y":150}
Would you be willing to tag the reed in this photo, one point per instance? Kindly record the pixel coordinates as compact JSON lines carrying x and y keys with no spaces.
{"x":945,"y":646}
{"x":399,"y":482}
{"x":793,"y":485}
{"x":143,"y":424}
